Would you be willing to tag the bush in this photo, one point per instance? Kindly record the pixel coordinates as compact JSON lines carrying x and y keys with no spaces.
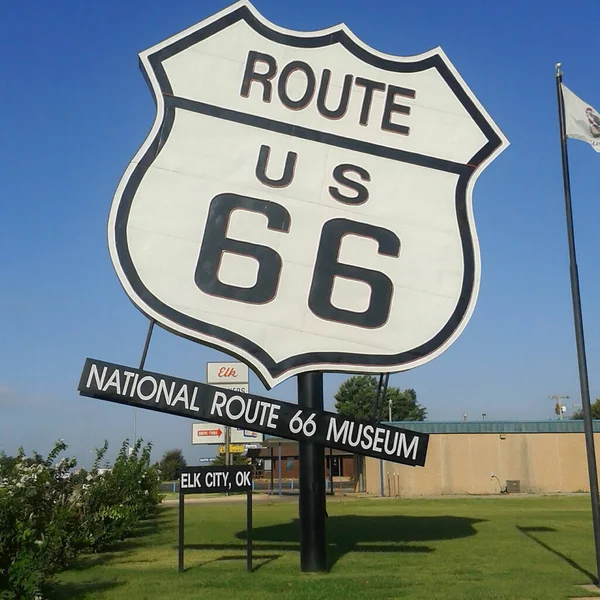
{"x":48,"y":516}
{"x":38,"y":526}
{"x":115,"y":500}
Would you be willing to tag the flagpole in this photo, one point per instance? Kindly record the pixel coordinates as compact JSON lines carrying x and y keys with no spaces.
{"x":578,"y":322}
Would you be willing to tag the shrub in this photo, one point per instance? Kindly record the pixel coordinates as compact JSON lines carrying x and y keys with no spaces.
{"x":48,"y":516}
{"x":115,"y":500}
{"x":38,"y":527}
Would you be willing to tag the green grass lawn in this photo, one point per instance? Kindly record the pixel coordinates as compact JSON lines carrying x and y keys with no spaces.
{"x":474,"y":548}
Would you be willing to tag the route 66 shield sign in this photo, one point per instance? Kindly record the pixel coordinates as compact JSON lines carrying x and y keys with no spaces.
{"x":303,"y":202}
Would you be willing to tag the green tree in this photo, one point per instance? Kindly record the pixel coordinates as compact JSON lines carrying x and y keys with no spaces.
{"x":236,"y":459}
{"x":356,"y":395}
{"x":578,"y":414}
{"x":7,"y":464}
{"x":171,"y":463}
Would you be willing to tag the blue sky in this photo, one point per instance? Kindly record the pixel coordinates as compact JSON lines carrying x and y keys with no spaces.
{"x":75,"y":108}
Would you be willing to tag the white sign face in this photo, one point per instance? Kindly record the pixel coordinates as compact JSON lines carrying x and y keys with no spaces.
{"x":303,"y":202}
{"x":232,"y":376}
{"x":243,"y":436}
{"x":238,"y":387}
{"x":207,"y":433}
{"x":228,"y":374}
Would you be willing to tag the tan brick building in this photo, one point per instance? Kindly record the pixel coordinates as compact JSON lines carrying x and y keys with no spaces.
{"x":481,"y":457}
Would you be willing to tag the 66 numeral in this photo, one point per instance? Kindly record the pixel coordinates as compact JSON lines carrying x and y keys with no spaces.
{"x":216,"y":243}
{"x":308,"y":426}
{"x":327,"y":264}
{"x":327,"y":268}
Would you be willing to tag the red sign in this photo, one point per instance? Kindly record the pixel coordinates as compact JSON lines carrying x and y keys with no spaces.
{"x":208,"y":432}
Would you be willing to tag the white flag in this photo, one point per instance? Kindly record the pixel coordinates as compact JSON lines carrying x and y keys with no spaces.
{"x":582,"y":121}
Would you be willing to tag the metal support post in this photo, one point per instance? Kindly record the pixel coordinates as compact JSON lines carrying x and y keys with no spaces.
{"x":331,"y":470}
{"x":249,"y":531}
{"x":313,"y":551}
{"x":181,"y":528}
{"x":142,"y":364}
{"x":272,"y":464}
{"x":279,"y":466}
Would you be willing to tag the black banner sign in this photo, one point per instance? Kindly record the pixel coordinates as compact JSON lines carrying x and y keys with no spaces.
{"x":199,"y":401}
{"x":210,"y":480}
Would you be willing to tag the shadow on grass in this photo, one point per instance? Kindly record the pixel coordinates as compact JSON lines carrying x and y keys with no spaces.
{"x":258,"y":561}
{"x":530,"y":531}
{"x":151,"y":526}
{"x":146,"y":528}
{"x":89,"y":561}
{"x":124,"y":548}
{"x":353,"y":533}
{"x":116,"y":551}
{"x":72,"y":591}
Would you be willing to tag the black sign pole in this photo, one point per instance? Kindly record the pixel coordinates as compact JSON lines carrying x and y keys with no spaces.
{"x":181,"y":509}
{"x":142,"y":365}
{"x":584,"y":385}
{"x":375,"y":408}
{"x":386,"y":381}
{"x":331,"y":471}
{"x":313,"y":551}
{"x":279,"y":468}
{"x":249,"y":531}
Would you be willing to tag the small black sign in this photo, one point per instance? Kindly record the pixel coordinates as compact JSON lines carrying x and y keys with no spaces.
{"x":206,"y":480}
{"x":199,"y":401}
{"x":210,"y":480}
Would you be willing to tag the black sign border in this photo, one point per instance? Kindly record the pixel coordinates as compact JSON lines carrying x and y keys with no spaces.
{"x":190,"y":470}
{"x":465,"y":172}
